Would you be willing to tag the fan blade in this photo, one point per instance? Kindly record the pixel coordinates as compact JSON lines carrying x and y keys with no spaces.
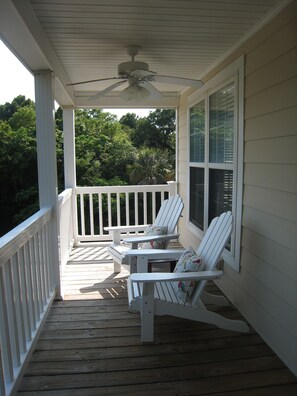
{"x":98,"y":79}
{"x":178,"y":81}
{"x":142,"y":73}
{"x":154,"y":92}
{"x":110,"y":88}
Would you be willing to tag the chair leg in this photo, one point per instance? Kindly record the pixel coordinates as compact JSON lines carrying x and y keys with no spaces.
{"x":147,"y":313}
{"x":116,"y":267}
{"x":208,"y":298}
{"x":133,"y":264}
{"x":220,"y":321}
{"x":142,"y":264}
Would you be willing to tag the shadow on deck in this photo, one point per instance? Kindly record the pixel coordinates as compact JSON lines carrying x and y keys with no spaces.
{"x":90,"y":345}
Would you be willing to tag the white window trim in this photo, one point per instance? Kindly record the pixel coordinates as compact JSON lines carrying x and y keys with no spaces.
{"x":235,"y":72}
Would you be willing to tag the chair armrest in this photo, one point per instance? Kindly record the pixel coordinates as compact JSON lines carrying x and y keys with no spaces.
{"x":131,"y":228}
{"x":172,"y":277}
{"x":116,"y":231}
{"x":141,"y":239}
{"x":156,"y":254}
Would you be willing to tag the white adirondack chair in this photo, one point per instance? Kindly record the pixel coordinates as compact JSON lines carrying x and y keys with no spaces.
{"x":168,"y":216}
{"x":153,"y":293}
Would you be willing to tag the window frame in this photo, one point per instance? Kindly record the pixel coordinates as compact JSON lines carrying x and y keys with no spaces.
{"x":233,"y":72}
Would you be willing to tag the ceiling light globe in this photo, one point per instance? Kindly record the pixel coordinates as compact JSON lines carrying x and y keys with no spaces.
{"x":135,"y":92}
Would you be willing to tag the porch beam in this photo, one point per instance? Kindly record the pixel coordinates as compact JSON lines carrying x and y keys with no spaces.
{"x":168,"y":100}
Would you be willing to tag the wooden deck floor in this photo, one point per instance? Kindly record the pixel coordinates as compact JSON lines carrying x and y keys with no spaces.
{"x":90,"y":345}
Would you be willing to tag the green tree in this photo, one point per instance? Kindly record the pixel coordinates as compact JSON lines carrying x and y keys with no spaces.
{"x":150,"y":167}
{"x":8,"y":109}
{"x":18,"y":162}
{"x":103,"y":148}
{"x":18,"y":170}
{"x":130,"y":120}
{"x":108,"y":152}
{"x":156,"y":130}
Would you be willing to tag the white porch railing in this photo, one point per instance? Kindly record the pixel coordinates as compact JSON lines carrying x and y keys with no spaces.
{"x":27,"y":273}
{"x":26,"y":291}
{"x":99,"y":207}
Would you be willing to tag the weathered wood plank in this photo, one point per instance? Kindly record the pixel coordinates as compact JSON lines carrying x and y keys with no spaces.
{"x":143,"y":350}
{"x":132,"y":340}
{"x":117,"y":331}
{"x":90,"y":345}
{"x":165,"y":390}
{"x":196,"y":380}
{"x":258,"y":352}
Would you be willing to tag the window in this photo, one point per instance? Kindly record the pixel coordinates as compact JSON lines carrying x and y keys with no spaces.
{"x":216,"y":154}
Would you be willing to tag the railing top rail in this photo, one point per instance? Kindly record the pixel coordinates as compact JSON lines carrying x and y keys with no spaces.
{"x":64,"y":195}
{"x":122,"y":189}
{"x":11,"y":242}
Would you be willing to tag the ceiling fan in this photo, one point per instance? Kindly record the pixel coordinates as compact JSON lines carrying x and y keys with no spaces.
{"x":139,"y":79}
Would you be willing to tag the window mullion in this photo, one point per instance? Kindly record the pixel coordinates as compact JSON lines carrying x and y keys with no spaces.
{"x":236,"y":159}
{"x":222,"y":166}
{"x":206,"y":168}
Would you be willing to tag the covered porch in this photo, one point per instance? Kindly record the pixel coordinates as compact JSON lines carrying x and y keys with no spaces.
{"x":246,"y":48}
{"x":90,"y":345}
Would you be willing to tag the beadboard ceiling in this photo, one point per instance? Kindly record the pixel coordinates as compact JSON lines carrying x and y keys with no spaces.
{"x":85,"y":40}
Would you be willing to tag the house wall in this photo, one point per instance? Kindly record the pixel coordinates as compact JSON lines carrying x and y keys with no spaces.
{"x":265,"y":290}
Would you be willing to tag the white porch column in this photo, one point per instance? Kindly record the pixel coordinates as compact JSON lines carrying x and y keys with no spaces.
{"x":47,"y":162}
{"x":70,"y":161}
{"x":172,"y":188}
{"x":69,"y":148}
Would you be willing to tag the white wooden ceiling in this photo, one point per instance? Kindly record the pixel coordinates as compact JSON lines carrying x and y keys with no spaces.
{"x":85,"y":40}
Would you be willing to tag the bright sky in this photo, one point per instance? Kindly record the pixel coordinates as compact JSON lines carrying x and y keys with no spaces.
{"x":16,"y":80}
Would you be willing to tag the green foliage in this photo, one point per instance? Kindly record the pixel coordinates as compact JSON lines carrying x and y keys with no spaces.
{"x":18,"y":170}
{"x":108,"y":152}
{"x":154,"y":136}
{"x":8,"y":109}
{"x":156,"y":131}
{"x":152,"y":166}
{"x":130,"y":120}
{"x":103,"y":148}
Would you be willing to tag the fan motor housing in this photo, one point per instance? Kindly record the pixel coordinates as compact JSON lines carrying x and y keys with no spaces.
{"x":127,"y":67}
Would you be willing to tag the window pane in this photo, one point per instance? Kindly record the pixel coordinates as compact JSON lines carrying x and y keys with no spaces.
{"x":197,"y":132}
{"x":197,"y":196}
{"x":221,"y":125}
{"x":220,"y":192}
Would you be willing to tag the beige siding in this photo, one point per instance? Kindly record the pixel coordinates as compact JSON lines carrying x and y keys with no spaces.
{"x":265,"y":290}
{"x":280,"y":123}
{"x":278,"y":150}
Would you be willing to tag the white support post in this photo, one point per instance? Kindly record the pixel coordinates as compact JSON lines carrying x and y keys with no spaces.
{"x":47,"y":163}
{"x":69,"y":148}
{"x":69,"y":162}
{"x":172,"y":188}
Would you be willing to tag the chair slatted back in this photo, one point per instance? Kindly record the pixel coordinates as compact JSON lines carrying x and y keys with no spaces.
{"x":169,"y":213}
{"x":212,"y":246}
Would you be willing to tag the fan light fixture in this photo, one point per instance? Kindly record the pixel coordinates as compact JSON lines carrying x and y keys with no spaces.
{"x":140,"y":79}
{"x":135,"y":92}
